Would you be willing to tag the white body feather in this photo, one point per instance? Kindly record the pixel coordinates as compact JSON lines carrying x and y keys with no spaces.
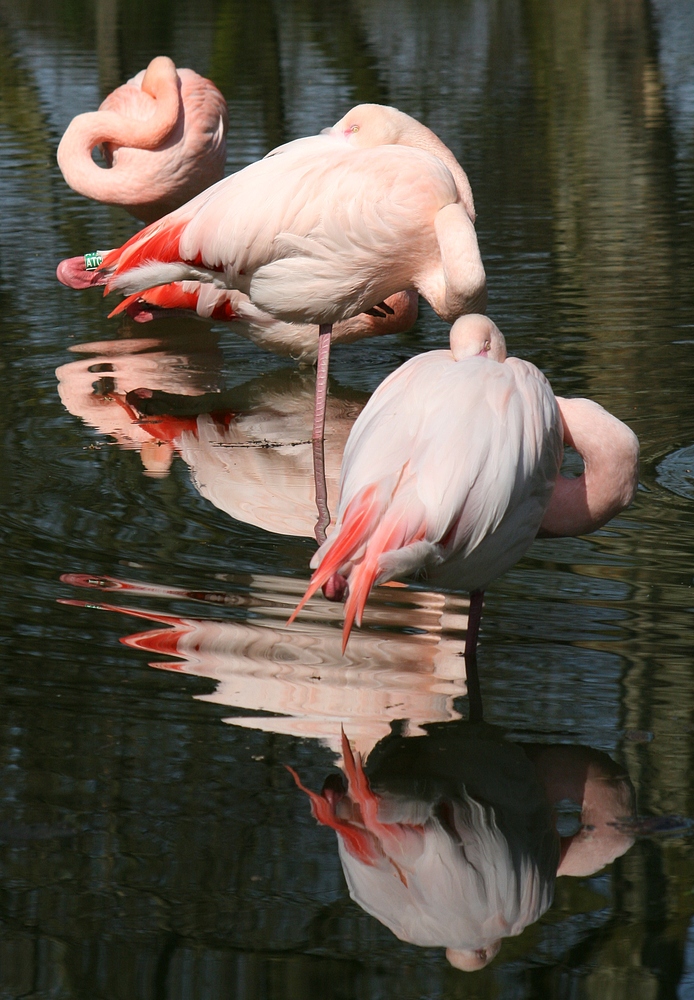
{"x":468,"y":449}
{"x":320,"y":231}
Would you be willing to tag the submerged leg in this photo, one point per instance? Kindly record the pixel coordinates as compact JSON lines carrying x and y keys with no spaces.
{"x":324,"y":335}
{"x":471,"y":676}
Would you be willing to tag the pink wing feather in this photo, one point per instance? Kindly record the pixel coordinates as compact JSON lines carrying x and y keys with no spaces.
{"x":300,"y":258}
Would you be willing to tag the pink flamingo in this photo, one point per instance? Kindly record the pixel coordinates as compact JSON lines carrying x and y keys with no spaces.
{"x":324,"y":228}
{"x":452,"y":467}
{"x":193,"y":298}
{"x":163,"y":135}
{"x":395,"y":314}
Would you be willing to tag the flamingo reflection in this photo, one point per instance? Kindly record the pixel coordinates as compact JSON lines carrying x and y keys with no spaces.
{"x":450,"y":834}
{"x":95,"y":385}
{"x":248,"y":448}
{"x":451,"y":840}
{"x":406,"y":664}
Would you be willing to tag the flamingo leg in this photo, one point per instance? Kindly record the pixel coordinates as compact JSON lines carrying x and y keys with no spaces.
{"x":472,"y":680}
{"x":324,"y":335}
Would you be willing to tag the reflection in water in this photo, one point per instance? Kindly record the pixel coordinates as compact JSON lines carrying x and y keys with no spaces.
{"x":248,"y":449}
{"x":406,"y":663}
{"x":452,"y":835}
{"x":94,"y":388}
{"x":676,"y":472}
{"x":675,"y":21}
{"x":197,"y":870}
{"x":451,"y":840}
{"x":587,"y":779}
{"x":258,"y":467}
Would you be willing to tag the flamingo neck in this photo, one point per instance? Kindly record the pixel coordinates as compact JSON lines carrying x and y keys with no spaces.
{"x":421,"y":137}
{"x":610,"y":453}
{"x":88,"y":130}
{"x":161,"y":81}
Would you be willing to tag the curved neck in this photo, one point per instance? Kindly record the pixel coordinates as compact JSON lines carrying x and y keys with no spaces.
{"x":86,"y":131}
{"x":82,"y":173}
{"x":161,"y":81}
{"x":610,"y":453}
{"x":422,"y":137}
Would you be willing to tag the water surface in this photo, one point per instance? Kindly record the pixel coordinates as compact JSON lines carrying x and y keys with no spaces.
{"x":152,"y":843}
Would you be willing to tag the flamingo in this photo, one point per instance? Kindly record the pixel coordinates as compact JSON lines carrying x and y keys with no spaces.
{"x":163,"y":135}
{"x":193,"y":298}
{"x":395,"y":314}
{"x":452,"y":467}
{"x":321,"y":229}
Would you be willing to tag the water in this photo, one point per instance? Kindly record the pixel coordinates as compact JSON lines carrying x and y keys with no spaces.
{"x":152,"y":843}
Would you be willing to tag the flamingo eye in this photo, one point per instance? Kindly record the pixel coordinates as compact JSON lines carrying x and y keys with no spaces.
{"x":354,"y":128}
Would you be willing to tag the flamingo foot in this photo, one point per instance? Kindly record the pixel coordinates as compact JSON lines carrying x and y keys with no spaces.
{"x":335,"y":588}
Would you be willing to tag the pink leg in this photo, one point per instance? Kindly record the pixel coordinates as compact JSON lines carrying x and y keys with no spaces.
{"x":471,"y":676}
{"x":324,"y":334}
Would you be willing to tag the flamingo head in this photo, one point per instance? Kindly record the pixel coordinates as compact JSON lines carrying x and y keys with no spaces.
{"x":370,"y":125}
{"x":477,"y":336}
{"x":472,"y":961}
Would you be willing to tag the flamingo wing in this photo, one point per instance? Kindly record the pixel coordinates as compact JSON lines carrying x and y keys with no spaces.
{"x":469,"y":435}
{"x":310,"y":239}
{"x":443,"y":455}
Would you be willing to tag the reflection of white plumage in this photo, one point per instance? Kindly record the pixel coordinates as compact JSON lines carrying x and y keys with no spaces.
{"x":451,"y":839}
{"x":298,"y":681}
{"x":449,"y":842}
{"x":449,"y":467}
{"x":257,"y":467}
{"x":251,"y":458}
{"x":95,"y":387}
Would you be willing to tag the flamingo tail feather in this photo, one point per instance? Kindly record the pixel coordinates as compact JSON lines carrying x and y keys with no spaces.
{"x":358,"y":519}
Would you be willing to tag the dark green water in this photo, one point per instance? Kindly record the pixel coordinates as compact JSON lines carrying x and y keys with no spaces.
{"x":152,"y":844}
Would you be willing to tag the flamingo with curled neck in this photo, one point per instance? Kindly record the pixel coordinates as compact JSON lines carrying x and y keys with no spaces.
{"x":163,"y":135}
{"x":322,"y":229}
{"x":453,"y":468}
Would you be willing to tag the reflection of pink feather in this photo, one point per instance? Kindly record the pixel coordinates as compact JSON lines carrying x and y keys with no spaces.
{"x":296,"y":680}
{"x":364,"y":836}
{"x":356,"y":838}
{"x":439,"y":871}
{"x":164,"y":138}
